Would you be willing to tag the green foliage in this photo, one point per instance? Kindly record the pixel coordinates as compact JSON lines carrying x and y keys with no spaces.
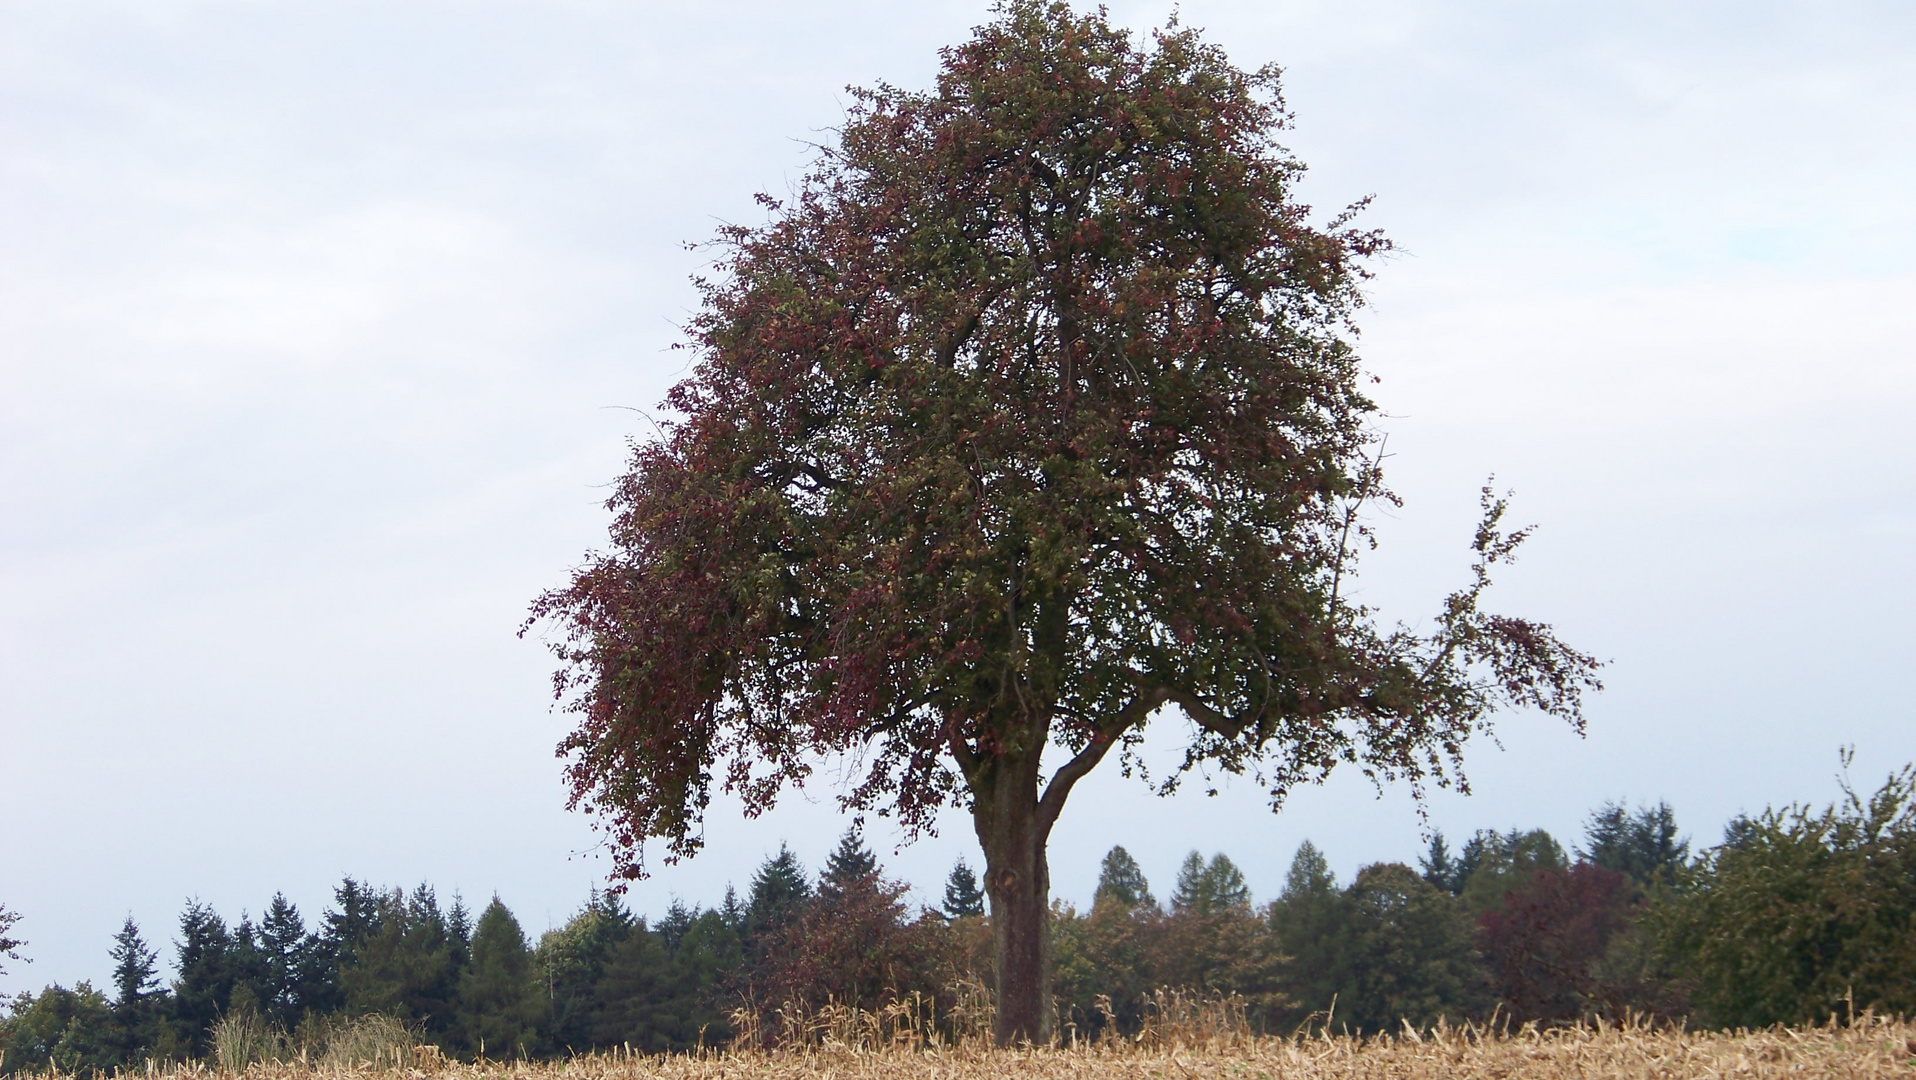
{"x":1492,"y":863}
{"x":9,"y":945}
{"x":778,"y":888}
{"x":571,"y":960}
{"x":849,"y":865}
{"x":203,"y":990}
{"x":1391,"y":947}
{"x":1439,"y":867}
{"x":1804,"y":914}
{"x":135,"y":967}
{"x":406,"y":967}
{"x":1210,"y":888}
{"x":1121,"y":881}
{"x":1644,"y":846}
{"x":499,"y":1000}
{"x":1405,"y":953}
{"x":71,"y":1030}
{"x":963,"y":898}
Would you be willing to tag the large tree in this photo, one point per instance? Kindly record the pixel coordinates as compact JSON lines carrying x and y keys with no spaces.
{"x":1031,"y":413}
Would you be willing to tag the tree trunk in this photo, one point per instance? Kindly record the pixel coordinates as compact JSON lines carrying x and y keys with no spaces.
{"x":1018,"y":883}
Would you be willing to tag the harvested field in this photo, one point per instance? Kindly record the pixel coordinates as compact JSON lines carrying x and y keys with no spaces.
{"x":1867,"y":1049}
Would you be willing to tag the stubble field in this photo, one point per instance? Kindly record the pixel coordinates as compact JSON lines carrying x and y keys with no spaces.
{"x":1870,"y":1048}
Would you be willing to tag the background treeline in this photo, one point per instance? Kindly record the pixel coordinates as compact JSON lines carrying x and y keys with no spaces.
{"x":1797,"y":914}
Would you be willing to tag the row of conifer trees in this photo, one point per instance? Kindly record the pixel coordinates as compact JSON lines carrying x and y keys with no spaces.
{"x":1797,"y":913}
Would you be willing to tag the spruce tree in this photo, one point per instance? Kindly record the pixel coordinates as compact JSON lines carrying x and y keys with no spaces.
{"x":732,"y":911}
{"x":963,"y":897}
{"x":1210,"y":888}
{"x":204,"y":988}
{"x":283,"y":946}
{"x":343,"y":928}
{"x":1643,"y":845}
{"x":778,"y":889}
{"x":135,"y":967}
{"x":852,"y":866}
{"x":136,"y":980}
{"x":1439,"y":867}
{"x":1494,"y":863}
{"x":1121,"y":880}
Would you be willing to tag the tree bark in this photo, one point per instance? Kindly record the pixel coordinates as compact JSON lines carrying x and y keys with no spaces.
{"x":1018,"y":883}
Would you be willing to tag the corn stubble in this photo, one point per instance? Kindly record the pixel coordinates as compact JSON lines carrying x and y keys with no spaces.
{"x":847,"y":1043}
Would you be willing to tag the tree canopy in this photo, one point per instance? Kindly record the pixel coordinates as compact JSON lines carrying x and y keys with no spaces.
{"x":1031,"y":412}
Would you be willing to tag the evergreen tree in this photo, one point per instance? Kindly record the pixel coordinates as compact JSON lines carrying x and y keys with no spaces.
{"x":1441,"y":869}
{"x":572,"y":960}
{"x":405,"y":969}
{"x":1492,"y":863}
{"x":136,"y":1008}
{"x":1307,"y":924}
{"x":640,"y":993}
{"x":963,"y":897}
{"x":284,"y":945}
{"x":1210,"y":888}
{"x":778,"y":889}
{"x":1309,"y":877}
{"x":248,"y":964}
{"x":1121,"y":881}
{"x":1644,"y":845}
{"x":353,"y":918}
{"x":678,"y":919}
{"x":499,"y":1002}
{"x":850,"y":866}
{"x":204,"y":987}
{"x":459,"y":931}
{"x":732,"y":910}
{"x":135,"y":967}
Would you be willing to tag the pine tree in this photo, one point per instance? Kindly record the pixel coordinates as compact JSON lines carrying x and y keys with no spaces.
{"x":851,"y":866}
{"x":459,"y":928}
{"x":353,"y":918}
{"x":135,"y":967}
{"x":1210,"y":888}
{"x":1494,"y":863}
{"x":732,"y":910}
{"x":136,"y":1009}
{"x":204,"y":988}
{"x":1643,"y":845}
{"x":963,"y":897}
{"x":1439,"y":868}
{"x":283,"y":945}
{"x":1310,"y":875}
{"x":778,"y":889}
{"x":1121,"y":881}
{"x":678,"y":919}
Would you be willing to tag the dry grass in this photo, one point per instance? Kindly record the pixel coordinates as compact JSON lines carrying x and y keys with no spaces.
{"x":1868,"y":1049}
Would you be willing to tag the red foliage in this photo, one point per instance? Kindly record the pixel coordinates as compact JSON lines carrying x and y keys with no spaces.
{"x":1545,"y":944}
{"x":1031,"y":413}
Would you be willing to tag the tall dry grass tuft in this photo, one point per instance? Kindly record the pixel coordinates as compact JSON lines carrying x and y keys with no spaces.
{"x":369,"y":1042}
{"x":244,"y":1038}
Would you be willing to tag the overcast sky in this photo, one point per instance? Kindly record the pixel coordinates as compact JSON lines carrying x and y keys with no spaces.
{"x":319,"y":323}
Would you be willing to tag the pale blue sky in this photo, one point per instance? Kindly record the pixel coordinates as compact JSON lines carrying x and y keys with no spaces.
{"x":315,"y":320}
